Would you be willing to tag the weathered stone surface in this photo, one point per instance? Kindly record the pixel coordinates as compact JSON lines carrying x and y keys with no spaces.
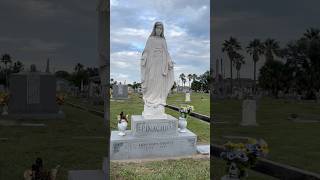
{"x":120,"y":91}
{"x":131,"y":147}
{"x":249,"y":113}
{"x":32,"y":93}
{"x":154,"y":127}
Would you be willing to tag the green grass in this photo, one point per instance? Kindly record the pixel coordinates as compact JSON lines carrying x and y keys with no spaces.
{"x":54,"y":144}
{"x":295,"y":144}
{"x":170,"y":169}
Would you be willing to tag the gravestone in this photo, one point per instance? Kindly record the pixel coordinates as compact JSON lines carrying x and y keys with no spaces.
{"x":33,"y":95}
{"x":120,"y":91}
{"x":152,"y":138}
{"x":187,"y":97}
{"x":249,"y":107}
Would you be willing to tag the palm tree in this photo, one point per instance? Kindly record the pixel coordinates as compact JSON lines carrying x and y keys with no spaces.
{"x":183,"y":78}
{"x":194,"y":77}
{"x":231,"y":46}
{"x":189,"y":78}
{"x":271,"y":48}
{"x":79,"y":67}
{"x":6,"y":59}
{"x":238,"y":61}
{"x":312,"y":33}
{"x":255,"y":49}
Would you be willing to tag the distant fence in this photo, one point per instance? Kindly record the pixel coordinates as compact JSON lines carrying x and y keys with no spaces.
{"x":273,"y":169}
{"x":193,"y":114}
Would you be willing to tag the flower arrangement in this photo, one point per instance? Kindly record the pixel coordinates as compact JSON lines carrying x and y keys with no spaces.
{"x":185,"y":110}
{"x":243,"y":156}
{"x":4,"y":98}
{"x":122,"y":116}
{"x":60,"y":99}
{"x":38,"y":172}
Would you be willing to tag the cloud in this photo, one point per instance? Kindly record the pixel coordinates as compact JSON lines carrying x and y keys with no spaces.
{"x":186,"y":33}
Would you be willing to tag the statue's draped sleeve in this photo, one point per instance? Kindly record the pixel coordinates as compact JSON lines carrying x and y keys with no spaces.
{"x":168,"y":63}
{"x":144,"y":58}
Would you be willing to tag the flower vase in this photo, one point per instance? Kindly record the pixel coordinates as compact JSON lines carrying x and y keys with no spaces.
{"x":5,"y":110}
{"x":182,"y":124}
{"x":122,"y":126}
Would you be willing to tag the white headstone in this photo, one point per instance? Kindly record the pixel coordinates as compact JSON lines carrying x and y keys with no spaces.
{"x":249,"y":113}
{"x":188,"y":97}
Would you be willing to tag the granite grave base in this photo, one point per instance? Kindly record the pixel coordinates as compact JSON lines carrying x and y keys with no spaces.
{"x":152,"y":139}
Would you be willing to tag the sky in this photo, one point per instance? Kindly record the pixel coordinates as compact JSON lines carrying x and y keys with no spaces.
{"x":186,"y":28}
{"x":63,"y":31}
{"x":284,"y":20}
{"x":66,"y":31}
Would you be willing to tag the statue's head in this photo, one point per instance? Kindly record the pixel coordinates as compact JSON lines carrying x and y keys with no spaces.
{"x":158,"y":30}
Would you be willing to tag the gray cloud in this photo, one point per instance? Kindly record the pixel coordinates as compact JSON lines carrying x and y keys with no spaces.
{"x":284,"y":21}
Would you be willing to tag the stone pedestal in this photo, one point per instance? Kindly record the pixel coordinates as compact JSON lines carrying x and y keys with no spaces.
{"x":249,"y":108}
{"x":152,"y":139}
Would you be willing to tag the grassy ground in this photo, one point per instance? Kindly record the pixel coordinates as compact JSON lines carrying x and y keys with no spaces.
{"x":295,"y":144}
{"x":170,"y":169}
{"x":55,"y":144}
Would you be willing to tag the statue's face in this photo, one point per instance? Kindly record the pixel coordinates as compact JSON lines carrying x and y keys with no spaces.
{"x":158,"y":30}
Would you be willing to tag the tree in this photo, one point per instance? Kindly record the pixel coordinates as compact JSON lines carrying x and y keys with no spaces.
{"x":62,"y":74}
{"x":238,"y":61}
{"x":17,"y":67}
{"x":183,"y":78}
{"x":255,"y":49}
{"x":6,"y":59}
{"x":271,"y":76}
{"x":231,"y":46}
{"x":189,"y":78}
{"x":271,"y":49}
{"x":194,"y":77}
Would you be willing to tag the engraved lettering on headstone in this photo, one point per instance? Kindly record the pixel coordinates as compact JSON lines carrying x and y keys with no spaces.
{"x":154,"y":127}
{"x":116,"y":147}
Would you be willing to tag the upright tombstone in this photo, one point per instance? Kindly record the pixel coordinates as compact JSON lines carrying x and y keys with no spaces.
{"x":120,"y":91}
{"x":188,"y":99}
{"x":249,"y":107}
{"x":33,"y":95}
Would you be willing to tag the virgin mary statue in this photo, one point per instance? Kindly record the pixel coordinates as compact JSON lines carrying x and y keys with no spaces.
{"x":156,"y":74}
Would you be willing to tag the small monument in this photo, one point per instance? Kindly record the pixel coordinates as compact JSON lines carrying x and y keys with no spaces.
{"x":33,"y":95}
{"x":120,"y":91}
{"x":249,"y":107}
{"x":188,"y":99}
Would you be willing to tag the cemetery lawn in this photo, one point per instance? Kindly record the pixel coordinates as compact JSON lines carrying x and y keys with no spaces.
{"x":167,"y":169}
{"x":134,"y":106}
{"x":57,"y":144}
{"x":294,"y":144}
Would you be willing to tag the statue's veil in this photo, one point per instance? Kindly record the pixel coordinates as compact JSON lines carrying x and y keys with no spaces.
{"x":154,"y":29}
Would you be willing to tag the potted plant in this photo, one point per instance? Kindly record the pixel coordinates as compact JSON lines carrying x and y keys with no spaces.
{"x":184,"y":110}
{"x":122,"y":123}
{"x":4,"y":99}
{"x":240,"y":157}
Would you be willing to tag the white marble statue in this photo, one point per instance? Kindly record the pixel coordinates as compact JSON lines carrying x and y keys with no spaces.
{"x":156,"y":74}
